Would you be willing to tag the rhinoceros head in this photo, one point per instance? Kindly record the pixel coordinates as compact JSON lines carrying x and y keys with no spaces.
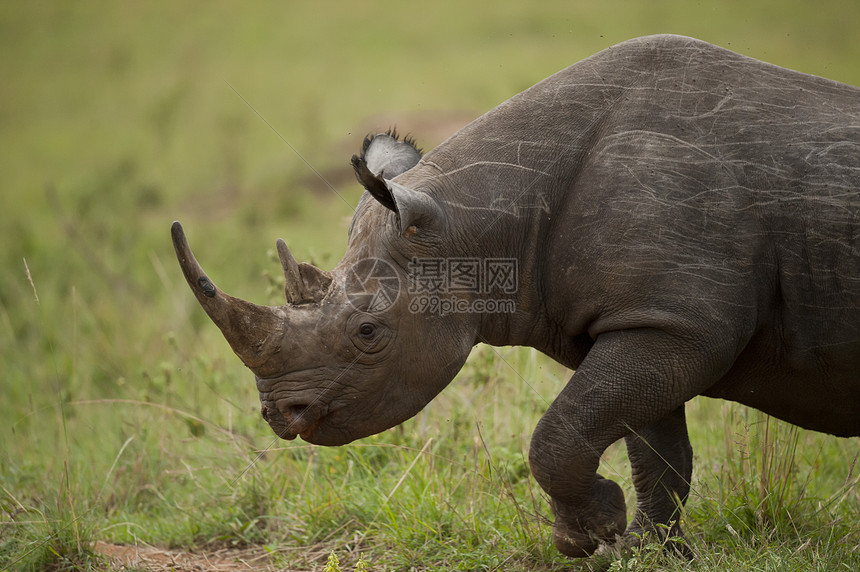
{"x":346,"y":356}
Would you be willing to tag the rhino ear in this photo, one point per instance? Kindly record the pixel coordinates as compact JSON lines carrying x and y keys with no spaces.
{"x":384,"y":156}
{"x":374,"y":183}
{"x":387,"y":155}
{"x":414,"y":210}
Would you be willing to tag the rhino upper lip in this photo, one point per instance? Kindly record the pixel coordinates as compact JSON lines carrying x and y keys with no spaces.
{"x":300,"y":419}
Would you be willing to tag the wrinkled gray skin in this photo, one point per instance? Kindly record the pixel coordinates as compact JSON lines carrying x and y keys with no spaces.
{"x":686,"y":222}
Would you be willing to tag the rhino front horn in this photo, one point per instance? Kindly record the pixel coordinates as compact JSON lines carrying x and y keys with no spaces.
{"x":254,"y":332}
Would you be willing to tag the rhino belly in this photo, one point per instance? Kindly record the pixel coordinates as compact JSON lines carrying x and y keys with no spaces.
{"x":817,"y":389}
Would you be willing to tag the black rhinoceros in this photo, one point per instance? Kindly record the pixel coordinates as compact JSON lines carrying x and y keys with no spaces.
{"x":677,"y":219}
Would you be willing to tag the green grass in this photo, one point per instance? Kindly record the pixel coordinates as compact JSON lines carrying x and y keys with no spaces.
{"x":125,"y":417}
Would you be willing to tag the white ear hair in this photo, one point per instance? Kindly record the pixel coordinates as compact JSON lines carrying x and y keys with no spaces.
{"x":387,"y":156}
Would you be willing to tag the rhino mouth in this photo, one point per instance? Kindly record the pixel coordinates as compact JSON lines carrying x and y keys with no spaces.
{"x":294,"y":420}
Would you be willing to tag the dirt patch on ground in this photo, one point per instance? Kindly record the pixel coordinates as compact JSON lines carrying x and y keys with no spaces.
{"x":158,"y":559}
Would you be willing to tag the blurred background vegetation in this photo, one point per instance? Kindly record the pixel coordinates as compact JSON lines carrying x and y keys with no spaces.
{"x":124,"y":415}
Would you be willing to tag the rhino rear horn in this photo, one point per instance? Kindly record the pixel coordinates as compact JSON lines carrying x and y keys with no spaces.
{"x":304,"y":282}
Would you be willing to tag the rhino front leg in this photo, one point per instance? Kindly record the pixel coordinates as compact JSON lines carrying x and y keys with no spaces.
{"x":630,"y":382}
{"x":564,"y":456}
{"x":661,"y":458}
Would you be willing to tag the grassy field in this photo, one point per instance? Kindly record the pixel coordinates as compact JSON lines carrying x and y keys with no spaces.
{"x":125,"y":417}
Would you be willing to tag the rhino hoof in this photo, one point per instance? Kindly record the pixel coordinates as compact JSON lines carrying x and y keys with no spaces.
{"x":573,"y":544}
{"x":579,"y":533}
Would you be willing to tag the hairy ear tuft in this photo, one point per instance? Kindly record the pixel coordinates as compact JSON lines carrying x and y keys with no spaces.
{"x":387,"y":156}
{"x":373,"y":183}
{"x":383,"y":157}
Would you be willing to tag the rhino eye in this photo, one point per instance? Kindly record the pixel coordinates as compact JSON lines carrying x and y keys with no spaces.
{"x":369,"y":334}
{"x":366,"y":330}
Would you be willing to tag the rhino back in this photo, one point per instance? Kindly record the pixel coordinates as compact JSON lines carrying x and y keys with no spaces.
{"x":734,"y":185}
{"x":668,"y":182}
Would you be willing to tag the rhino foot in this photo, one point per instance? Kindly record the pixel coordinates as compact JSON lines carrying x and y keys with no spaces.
{"x":578,"y":533}
{"x":670,"y":537}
